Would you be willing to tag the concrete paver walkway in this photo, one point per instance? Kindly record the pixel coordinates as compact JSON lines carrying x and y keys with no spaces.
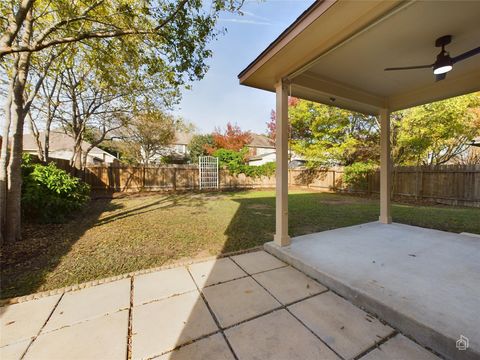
{"x":249,"y":306}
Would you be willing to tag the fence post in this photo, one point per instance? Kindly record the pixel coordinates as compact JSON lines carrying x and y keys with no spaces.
{"x":174,"y":178}
{"x":419,"y":193}
{"x":334,"y":184}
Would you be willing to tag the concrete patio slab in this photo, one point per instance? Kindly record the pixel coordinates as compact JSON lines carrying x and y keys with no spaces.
{"x":257,"y":261}
{"x":89,"y":303}
{"x":288,"y":285}
{"x":102,"y":338}
{"x":424,"y":282}
{"x":212,"y":347}
{"x":276,"y":336}
{"x":215,"y":271}
{"x":161,"y":284}
{"x":399,"y":347}
{"x":345,"y":328}
{"x":24,"y":320}
{"x":238,"y":300}
{"x":14,"y":351}
{"x":254,"y":325}
{"x":161,"y":326}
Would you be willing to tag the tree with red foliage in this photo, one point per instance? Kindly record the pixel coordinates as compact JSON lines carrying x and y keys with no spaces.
{"x":272,"y":124}
{"x":233,"y":138}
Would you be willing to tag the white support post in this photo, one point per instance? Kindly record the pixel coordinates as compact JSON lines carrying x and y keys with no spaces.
{"x":281,"y":145}
{"x":385,"y":168}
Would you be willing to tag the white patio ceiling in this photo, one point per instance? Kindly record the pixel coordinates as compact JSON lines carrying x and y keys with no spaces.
{"x":338,"y":49}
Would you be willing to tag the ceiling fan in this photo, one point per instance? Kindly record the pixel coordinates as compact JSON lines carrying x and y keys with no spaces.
{"x":444,"y":62}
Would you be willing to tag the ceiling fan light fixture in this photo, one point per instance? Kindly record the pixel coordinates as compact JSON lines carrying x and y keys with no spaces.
{"x":442,"y":69}
{"x":443,"y":64}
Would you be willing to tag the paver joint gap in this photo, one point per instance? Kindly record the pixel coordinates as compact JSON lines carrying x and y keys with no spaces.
{"x":301,"y":322}
{"x":376,"y":345}
{"x":213,"y":314}
{"x":41,"y":328}
{"x":130,"y":313}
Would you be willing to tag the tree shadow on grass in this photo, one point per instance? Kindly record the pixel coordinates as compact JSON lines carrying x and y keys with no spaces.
{"x":26,"y":265}
{"x":254,"y":222}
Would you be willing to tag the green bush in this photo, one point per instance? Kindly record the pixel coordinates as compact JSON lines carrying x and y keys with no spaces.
{"x":50,"y":194}
{"x":356,"y":175}
{"x":234,"y":161}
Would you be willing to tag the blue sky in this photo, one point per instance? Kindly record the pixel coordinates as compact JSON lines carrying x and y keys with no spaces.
{"x":218,"y":98}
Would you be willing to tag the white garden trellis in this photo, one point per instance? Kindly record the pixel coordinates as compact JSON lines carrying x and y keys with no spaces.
{"x":208,"y":171}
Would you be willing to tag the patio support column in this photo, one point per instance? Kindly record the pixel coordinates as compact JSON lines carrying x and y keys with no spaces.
{"x":385,"y":168}
{"x":281,"y":146}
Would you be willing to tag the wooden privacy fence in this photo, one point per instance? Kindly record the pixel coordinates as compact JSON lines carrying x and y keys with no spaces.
{"x":449,"y":184}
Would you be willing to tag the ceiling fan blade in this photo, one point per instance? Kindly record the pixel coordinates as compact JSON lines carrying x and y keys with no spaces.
{"x":439,"y":77}
{"x":466,"y":55}
{"x":409,"y":67}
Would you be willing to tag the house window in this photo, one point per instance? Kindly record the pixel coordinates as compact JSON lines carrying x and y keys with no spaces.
{"x":180,"y":149}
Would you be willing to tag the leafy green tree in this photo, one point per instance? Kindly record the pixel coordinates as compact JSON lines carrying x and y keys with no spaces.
{"x":161,"y":36}
{"x":434,"y":134}
{"x":199,"y":146}
{"x":147,"y":136}
{"x":327,"y":135}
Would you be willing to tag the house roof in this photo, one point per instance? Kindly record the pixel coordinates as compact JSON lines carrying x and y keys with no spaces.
{"x":261,"y":156}
{"x":476,"y":141}
{"x":59,"y":141}
{"x":336,"y":52}
{"x":261,"y":141}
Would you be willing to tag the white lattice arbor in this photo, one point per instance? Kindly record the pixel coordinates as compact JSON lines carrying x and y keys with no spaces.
{"x":208,"y":172}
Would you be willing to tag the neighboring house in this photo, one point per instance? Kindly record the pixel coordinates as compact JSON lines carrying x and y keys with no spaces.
{"x":61,"y":147}
{"x":476,"y":142}
{"x":262,"y":151}
{"x":470,"y":156}
{"x":180,"y":144}
{"x":260,"y":144}
{"x":177,"y":151}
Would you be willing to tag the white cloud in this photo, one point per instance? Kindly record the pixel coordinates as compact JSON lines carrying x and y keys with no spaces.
{"x":252,"y":15}
{"x":245,"y":21}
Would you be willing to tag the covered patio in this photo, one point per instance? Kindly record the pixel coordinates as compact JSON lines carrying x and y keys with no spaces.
{"x":335,"y":53}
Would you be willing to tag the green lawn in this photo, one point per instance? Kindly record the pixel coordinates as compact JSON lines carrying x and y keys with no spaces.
{"x":115,"y":236}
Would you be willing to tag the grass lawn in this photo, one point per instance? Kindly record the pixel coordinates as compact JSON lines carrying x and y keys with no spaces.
{"x":115,"y":236}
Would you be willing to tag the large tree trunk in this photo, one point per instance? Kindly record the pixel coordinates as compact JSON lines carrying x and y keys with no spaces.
{"x":4,"y":155}
{"x":18,"y":113}
{"x":14,"y":185}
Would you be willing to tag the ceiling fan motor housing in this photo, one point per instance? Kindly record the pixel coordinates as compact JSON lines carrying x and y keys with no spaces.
{"x":443,"y":41}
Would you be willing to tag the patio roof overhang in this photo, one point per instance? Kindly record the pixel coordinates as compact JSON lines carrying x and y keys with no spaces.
{"x":339,"y":49}
{"x":336,"y":52}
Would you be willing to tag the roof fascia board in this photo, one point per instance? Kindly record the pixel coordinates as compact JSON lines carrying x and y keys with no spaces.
{"x":307,"y":18}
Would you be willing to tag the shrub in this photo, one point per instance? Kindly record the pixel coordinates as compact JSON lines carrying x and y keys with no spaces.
{"x":199,"y":146}
{"x":356,"y":175}
{"x":234,"y":161}
{"x":50,"y":194}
